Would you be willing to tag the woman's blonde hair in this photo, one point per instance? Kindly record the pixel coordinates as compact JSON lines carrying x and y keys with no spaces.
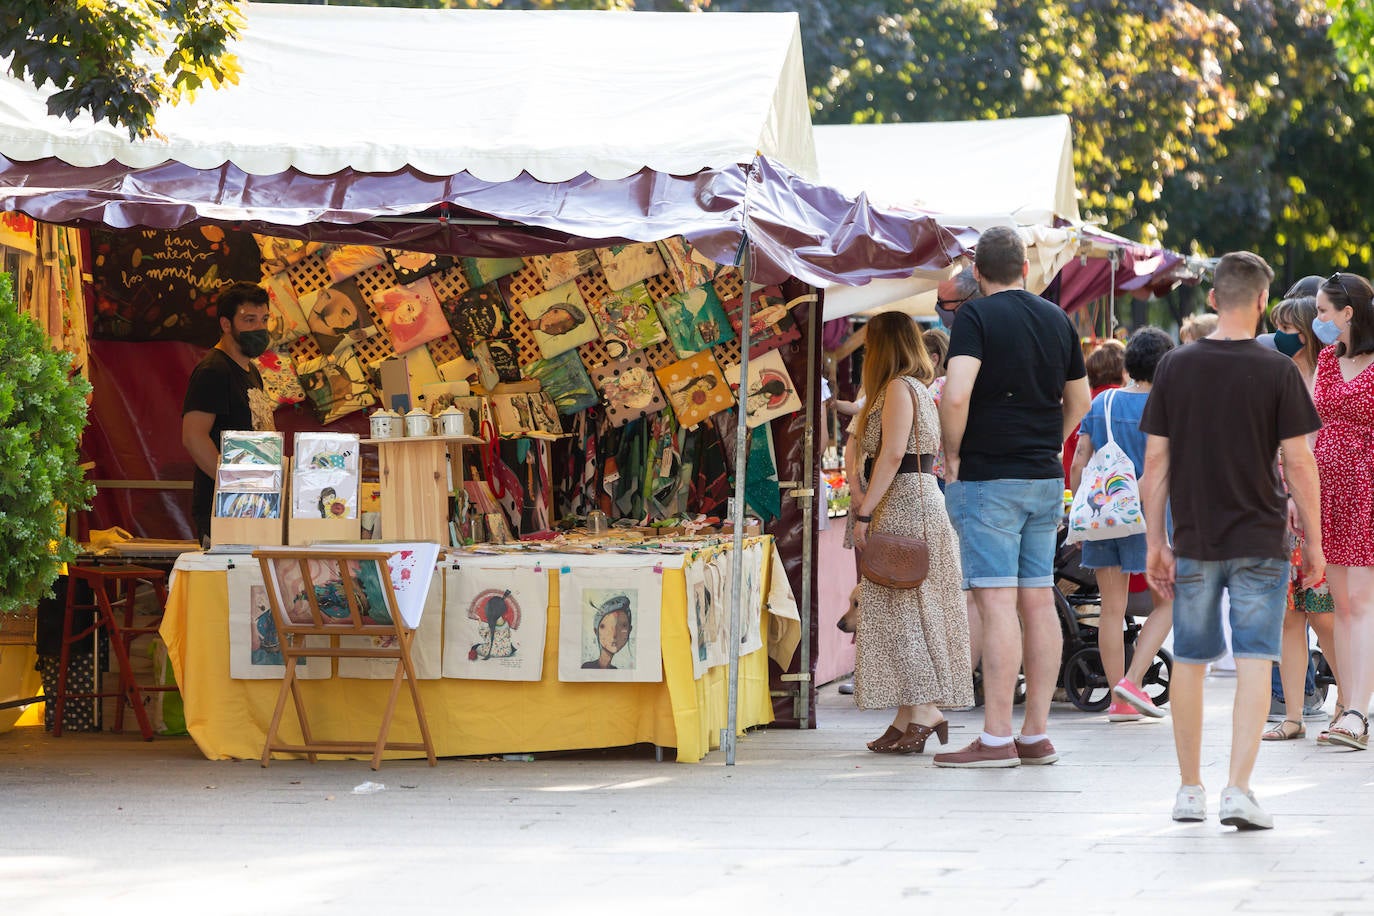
{"x":892,"y":348}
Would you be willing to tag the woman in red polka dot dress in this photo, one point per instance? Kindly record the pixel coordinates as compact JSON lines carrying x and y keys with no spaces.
{"x":1344,"y":395}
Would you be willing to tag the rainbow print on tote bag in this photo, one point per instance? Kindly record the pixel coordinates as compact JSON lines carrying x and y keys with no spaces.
{"x":1107,"y":504}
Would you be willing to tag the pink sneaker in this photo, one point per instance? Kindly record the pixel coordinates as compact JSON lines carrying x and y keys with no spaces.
{"x":1122,"y":712}
{"x":1130,"y":693}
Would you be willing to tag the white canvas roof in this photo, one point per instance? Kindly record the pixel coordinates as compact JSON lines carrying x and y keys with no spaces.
{"x":490,"y":92}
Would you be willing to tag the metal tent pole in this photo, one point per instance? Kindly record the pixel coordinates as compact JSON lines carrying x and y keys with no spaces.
{"x":806,"y":495}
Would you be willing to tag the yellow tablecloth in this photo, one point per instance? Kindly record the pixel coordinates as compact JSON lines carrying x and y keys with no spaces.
{"x":228,"y":718}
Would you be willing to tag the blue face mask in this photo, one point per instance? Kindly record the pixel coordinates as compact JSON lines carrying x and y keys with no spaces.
{"x":1326,"y":331}
{"x":1287,"y":344}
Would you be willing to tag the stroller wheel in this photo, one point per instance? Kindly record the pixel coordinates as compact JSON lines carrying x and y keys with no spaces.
{"x":1324,"y":680}
{"x":1155,"y":682}
{"x":1085,"y":682}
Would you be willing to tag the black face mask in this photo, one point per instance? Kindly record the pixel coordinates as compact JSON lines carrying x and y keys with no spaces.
{"x":1287,"y":344}
{"x":252,"y":343}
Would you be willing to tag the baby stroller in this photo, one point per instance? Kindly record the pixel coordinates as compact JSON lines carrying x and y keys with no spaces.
{"x":1081,"y":673}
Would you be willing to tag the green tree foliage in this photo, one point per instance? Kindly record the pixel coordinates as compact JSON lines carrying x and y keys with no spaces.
{"x":42,"y":415}
{"x":1352,"y":32}
{"x":118,"y":60}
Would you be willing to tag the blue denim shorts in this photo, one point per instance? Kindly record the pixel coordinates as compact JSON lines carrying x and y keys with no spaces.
{"x":1258,"y":590}
{"x":1127,"y":552}
{"x":1006,"y":530}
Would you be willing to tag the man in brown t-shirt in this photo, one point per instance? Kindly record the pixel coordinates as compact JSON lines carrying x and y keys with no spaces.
{"x":1219,"y":412}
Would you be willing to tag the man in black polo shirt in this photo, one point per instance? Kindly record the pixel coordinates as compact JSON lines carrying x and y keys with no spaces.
{"x":225,"y":391}
{"x":1015,"y":388}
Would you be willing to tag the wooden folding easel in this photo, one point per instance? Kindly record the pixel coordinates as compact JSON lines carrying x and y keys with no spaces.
{"x":294,"y":638}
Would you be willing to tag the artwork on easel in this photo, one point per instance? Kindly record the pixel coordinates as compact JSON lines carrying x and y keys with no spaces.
{"x":687,"y":267}
{"x":560,"y":319}
{"x":629,"y":388}
{"x":254,"y":645}
{"x":409,"y":266}
{"x":285,"y":319}
{"x":495,"y":623}
{"x":770,"y":323}
{"x":336,"y":385}
{"x":338,"y":316}
{"x":344,"y":261}
{"x":477,"y":315}
{"x":556,"y":269}
{"x":481,"y":271}
{"x":625,"y":265}
{"x":695,"y":388}
{"x":609,"y":625}
{"x":411,"y":315}
{"x":565,"y":379}
{"x":695,"y":320}
{"x":627,"y":321}
{"x":698,"y":612}
{"x":770,"y":393}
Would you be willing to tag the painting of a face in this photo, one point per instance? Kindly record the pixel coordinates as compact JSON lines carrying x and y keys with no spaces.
{"x":559,"y":320}
{"x":614,"y":631}
{"x":333,"y":313}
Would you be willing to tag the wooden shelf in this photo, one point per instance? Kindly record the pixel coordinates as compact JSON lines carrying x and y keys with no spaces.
{"x":401,"y":440}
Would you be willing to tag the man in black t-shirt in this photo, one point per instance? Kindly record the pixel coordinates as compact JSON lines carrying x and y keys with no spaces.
{"x":225,"y":391}
{"x":1015,"y":388}
{"x":1219,"y":411}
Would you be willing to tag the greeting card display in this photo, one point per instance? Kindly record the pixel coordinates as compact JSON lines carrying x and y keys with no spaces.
{"x":559,"y":319}
{"x":565,"y":379}
{"x":285,"y":318}
{"x":609,"y":625}
{"x":324,"y":483}
{"x":336,"y":385}
{"x":248,"y":481}
{"x":338,"y":316}
{"x":695,"y":388}
{"x":344,"y":261}
{"x":685,"y":265}
{"x":629,"y":389}
{"x":494,"y":623}
{"x":480,"y":271}
{"x":624,"y":265}
{"x":411,"y":314}
{"x":409,"y":266}
{"x":695,"y":320}
{"x":627,"y":321}
{"x":770,"y":323}
{"x":557,"y":269}
{"x":770,"y":392}
{"x":477,"y":315}
{"x":279,"y":379}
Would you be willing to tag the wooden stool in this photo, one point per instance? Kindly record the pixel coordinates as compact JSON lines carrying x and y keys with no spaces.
{"x":124,"y":579}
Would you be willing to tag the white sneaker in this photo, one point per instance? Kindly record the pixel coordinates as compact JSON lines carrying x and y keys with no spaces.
{"x":1240,"y":810}
{"x":1190,"y":804}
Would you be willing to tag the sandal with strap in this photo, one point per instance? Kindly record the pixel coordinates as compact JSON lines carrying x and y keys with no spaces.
{"x":1280,"y":731}
{"x":1340,"y":735}
{"x":1324,"y":736}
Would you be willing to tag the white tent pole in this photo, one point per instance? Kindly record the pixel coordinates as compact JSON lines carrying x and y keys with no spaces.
{"x":727,"y":738}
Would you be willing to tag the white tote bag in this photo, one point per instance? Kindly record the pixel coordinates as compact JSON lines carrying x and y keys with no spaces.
{"x":1107,"y":504}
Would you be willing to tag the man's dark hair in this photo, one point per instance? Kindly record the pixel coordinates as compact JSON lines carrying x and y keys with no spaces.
{"x":1354,"y":291}
{"x":1144,"y":351}
{"x":1000,"y":256}
{"x":1239,"y":277}
{"x":237,"y":294}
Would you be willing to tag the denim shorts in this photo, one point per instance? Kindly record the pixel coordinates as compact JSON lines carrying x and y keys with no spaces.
{"x":1258,"y":589}
{"x":1006,"y":530}
{"x":1127,"y":552}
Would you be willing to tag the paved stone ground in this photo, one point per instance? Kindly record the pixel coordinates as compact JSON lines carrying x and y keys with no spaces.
{"x":807,"y":821}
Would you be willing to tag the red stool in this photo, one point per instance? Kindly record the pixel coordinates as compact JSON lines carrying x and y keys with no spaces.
{"x":114,"y":588}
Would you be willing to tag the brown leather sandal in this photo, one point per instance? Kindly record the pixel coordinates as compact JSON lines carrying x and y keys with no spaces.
{"x":1280,"y":731}
{"x":913,"y":740}
{"x":883,"y":743}
{"x":1346,"y":737}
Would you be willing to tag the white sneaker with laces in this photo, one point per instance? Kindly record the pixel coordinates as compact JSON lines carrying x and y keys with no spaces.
{"x":1190,"y":804}
{"x":1240,"y":810}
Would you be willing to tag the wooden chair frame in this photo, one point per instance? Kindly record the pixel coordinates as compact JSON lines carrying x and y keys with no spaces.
{"x":294,"y":645}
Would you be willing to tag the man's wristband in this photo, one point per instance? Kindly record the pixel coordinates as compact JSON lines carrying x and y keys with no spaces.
{"x":862,"y":518}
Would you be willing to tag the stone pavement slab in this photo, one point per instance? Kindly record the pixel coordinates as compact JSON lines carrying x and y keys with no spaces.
{"x":807,"y":821}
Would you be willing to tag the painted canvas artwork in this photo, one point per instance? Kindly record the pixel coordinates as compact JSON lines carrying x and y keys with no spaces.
{"x":609,"y":625}
{"x":278,"y":254}
{"x":770,"y":323}
{"x":770,"y":391}
{"x":409,"y":266}
{"x":557,"y":269}
{"x":565,"y":379}
{"x":254,"y":645}
{"x":335,"y":385}
{"x":625,"y":265}
{"x":338,"y":316}
{"x":696,"y":388}
{"x":497,"y":361}
{"x":344,"y":261}
{"x":687,"y":268}
{"x":560,"y":319}
{"x":496,"y":632}
{"x":411,"y":315}
{"x":477,"y":315}
{"x":481,"y":271}
{"x":279,"y":377}
{"x":285,"y":319}
{"x":629,"y":389}
{"x":426,"y":649}
{"x":627,"y":321}
{"x":695,"y":320}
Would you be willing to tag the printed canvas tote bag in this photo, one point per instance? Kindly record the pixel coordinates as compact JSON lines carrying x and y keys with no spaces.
{"x":1107,"y":504}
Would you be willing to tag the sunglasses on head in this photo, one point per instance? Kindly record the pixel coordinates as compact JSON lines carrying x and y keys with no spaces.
{"x":1339,"y":281}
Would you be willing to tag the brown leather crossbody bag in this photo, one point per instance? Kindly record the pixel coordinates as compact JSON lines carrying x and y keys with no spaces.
{"x":896,"y":560}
